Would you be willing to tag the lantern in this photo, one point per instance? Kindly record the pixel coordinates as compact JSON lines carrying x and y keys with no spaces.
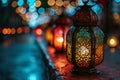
{"x":59,"y":33}
{"x":85,"y":41}
{"x":38,"y":31}
{"x":112,"y":41}
{"x":48,"y":33}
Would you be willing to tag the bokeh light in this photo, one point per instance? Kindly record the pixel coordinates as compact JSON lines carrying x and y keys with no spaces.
{"x":38,"y":3}
{"x":51,"y":2}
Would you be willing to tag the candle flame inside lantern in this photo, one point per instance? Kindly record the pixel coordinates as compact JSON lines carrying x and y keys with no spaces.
{"x":60,"y":39}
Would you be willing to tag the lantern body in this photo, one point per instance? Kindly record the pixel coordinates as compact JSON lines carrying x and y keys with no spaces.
{"x":59,"y":33}
{"x":59,"y":37}
{"x":85,"y":48}
{"x":69,"y":43}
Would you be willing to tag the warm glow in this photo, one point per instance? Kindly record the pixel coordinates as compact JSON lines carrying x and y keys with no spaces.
{"x":51,"y":2}
{"x":39,"y":31}
{"x":18,"y":10}
{"x":13,"y":31}
{"x":38,"y":3}
{"x":66,"y":3}
{"x":73,"y":4}
{"x":48,"y":34}
{"x":60,"y":39}
{"x":9,"y":31}
{"x":116,"y":16}
{"x":14,"y":4}
{"x":26,"y":29}
{"x":59,"y":2}
{"x":113,"y":41}
{"x":5,"y":31}
{"x":19,"y":30}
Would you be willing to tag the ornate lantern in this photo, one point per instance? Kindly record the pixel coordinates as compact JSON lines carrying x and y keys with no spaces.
{"x":59,"y":33}
{"x":85,"y":41}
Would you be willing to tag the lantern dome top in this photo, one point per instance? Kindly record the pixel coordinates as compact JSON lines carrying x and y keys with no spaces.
{"x":85,"y":16}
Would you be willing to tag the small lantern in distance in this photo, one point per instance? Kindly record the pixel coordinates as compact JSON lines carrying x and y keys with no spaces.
{"x":85,"y":51}
{"x":112,"y":41}
{"x":38,"y":31}
{"x":59,"y":33}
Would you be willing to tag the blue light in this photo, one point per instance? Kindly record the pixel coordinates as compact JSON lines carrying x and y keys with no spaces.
{"x":33,"y":77}
{"x":41,"y":10}
{"x":52,"y":11}
{"x":117,"y":1}
{"x":70,"y":11}
{"x":20,"y":2}
{"x":31,"y":1}
{"x":32,"y":8}
{"x":97,"y":9}
{"x":4,"y":1}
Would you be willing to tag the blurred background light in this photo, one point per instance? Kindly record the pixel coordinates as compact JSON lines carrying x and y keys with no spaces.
{"x":117,"y":1}
{"x":41,"y":10}
{"x":51,"y":2}
{"x":32,"y":8}
{"x":4,"y":3}
{"x":38,"y":3}
{"x":59,"y":3}
{"x":70,"y":10}
{"x":97,"y":9}
{"x":14,"y":4}
{"x":20,"y":2}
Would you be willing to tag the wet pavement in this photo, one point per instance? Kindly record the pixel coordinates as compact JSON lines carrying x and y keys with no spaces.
{"x":22,"y":58}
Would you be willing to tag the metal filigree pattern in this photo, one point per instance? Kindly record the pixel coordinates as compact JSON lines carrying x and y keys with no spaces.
{"x":83,"y":48}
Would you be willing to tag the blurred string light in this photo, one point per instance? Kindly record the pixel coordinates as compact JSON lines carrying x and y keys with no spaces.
{"x":12,"y":31}
{"x":4,"y":3}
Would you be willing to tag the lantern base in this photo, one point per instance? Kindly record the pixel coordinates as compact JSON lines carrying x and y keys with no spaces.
{"x":86,"y":71}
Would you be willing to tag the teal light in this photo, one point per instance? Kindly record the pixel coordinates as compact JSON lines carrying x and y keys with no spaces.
{"x":32,"y":8}
{"x":4,"y":1}
{"x":41,"y":10}
{"x":97,"y":9}
{"x":52,"y":11}
{"x":33,"y":77}
{"x":117,"y":1}
{"x":20,"y":2}
{"x":31,"y":1}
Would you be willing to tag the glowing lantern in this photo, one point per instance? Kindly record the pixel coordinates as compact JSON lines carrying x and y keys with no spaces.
{"x":38,"y":31}
{"x":48,"y":33}
{"x":85,"y":47}
{"x":112,"y":41}
{"x":59,"y":33}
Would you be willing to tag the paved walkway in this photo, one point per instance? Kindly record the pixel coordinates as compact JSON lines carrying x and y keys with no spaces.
{"x":21,"y":58}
